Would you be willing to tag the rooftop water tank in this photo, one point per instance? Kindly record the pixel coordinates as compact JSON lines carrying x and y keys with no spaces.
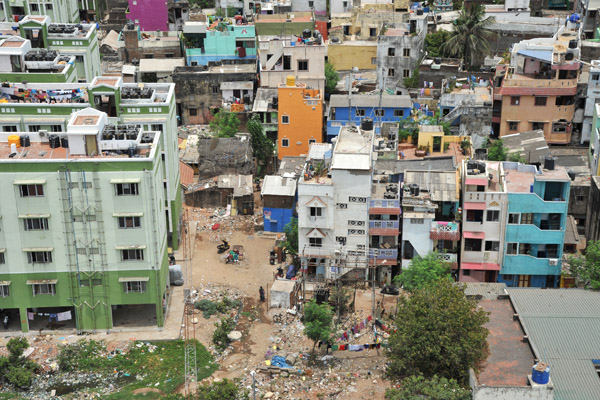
{"x":14,"y":139}
{"x":291,"y":80}
{"x":549,"y":163}
{"x":366,"y":124}
{"x":540,"y":373}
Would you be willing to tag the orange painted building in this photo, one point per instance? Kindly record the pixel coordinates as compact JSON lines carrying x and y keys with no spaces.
{"x":300,"y":118}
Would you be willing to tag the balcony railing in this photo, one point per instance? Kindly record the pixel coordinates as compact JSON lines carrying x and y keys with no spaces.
{"x":383,"y":253}
{"x":384,"y":224}
{"x":444,"y":231}
{"x":384,"y":204}
{"x":550,"y":225}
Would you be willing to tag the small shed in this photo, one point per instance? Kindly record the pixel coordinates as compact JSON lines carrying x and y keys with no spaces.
{"x":284,"y":293}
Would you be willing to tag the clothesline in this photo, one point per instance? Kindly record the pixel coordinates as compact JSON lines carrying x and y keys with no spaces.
{"x":62,"y":316}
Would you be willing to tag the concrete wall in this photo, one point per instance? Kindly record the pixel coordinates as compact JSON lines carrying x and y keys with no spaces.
{"x":484,"y":392}
{"x":592,"y":227}
{"x":418,"y":236}
{"x":194,"y":90}
{"x":345,"y":56}
{"x":318,"y":6}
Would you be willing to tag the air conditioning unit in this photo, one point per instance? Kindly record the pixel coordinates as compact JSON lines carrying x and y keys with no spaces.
{"x":553,"y":261}
{"x":43,"y":133}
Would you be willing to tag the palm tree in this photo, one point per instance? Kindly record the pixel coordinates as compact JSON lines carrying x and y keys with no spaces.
{"x":469,"y":38}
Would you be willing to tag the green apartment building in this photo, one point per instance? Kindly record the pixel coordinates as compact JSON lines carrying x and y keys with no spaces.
{"x":47,"y":108}
{"x":83,"y":231}
{"x":70,"y":40}
{"x":65,"y":11}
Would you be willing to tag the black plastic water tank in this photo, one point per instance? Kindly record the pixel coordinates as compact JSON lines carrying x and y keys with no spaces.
{"x":549,"y":163}
{"x":573,"y":44}
{"x":25,"y":142}
{"x":306,"y":34}
{"x":54,"y":141}
{"x":366,"y":124}
{"x":64,"y":142}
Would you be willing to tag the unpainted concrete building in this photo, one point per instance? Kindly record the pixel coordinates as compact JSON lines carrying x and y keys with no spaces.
{"x":203,"y":89}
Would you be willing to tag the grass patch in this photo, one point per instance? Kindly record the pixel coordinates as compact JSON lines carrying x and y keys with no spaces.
{"x":157,"y":365}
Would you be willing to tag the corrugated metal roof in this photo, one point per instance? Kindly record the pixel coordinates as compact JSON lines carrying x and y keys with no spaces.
{"x":275,"y":185}
{"x":563,"y":326}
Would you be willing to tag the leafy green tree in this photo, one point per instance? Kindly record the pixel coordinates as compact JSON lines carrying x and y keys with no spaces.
{"x":412,"y":81}
{"x":225,"y":124}
{"x":441,"y":333}
{"x":262,"y":146}
{"x":317,"y":320}
{"x":497,"y":151}
{"x":331,"y":78}
{"x":434,"y":42}
{"x":435,"y":388}
{"x":422,"y":272}
{"x":202,"y":3}
{"x":15,"y":369}
{"x":469,"y":39}
{"x":291,"y":236}
{"x":516,"y":157}
{"x":586,"y":268}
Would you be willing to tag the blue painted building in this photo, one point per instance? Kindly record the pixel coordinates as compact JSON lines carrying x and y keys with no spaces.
{"x":218,"y":41}
{"x":537,"y":216}
{"x":385,"y":108}
{"x":279,"y":202}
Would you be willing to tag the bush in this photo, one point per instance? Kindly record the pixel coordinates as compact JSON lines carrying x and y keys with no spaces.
{"x":223,"y":390}
{"x":81,"y":355}
{"x":210,"y":308}
{"x":220,"y":339}
{"x":15,"y":369}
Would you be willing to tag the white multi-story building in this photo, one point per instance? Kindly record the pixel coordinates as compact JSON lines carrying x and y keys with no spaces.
{"x":485,"y":207}
{"x":282,"y":56}
{"x":333,"y":208}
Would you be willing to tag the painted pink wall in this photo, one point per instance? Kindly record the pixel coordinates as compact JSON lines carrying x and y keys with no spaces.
{"x":152,"y":14}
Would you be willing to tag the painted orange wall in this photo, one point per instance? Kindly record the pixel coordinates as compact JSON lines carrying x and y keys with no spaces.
{"x":305,"y":119}
{"x":527,"y":112}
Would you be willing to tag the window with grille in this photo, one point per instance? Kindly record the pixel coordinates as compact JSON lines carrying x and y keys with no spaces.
{"x":134,"y":287}
{"x":132,"y":255}
{"x":126,"y":189}
{"x":31,"y":190}
{"x":315,"y":242}
{"x":493,"y":216}
{"x":44,"y":288}
{"x":129,"y":222}
{"x":340,"y":239}
{"x":4,"y":291}
{"x":35,"y":224}
{"x":39,"y":257}
{"x":316,"y":211}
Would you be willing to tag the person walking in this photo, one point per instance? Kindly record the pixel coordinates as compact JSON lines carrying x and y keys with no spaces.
{"x":261,"y":292}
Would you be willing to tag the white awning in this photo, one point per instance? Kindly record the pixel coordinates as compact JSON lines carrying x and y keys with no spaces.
{"x":131,"y":247}
{"x":126,"y":214}
{"x":126,"y":180}
{"x":29,"y":182}
{"x":2,"y":250}
{"x":22,"y":216}
{"x":4,"y":283}
{"x":134,"y":279}
{"x":38,"y":248}
{"x":42,"y":281}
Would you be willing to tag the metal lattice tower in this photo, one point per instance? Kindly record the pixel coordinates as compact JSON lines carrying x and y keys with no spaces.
{"x":191,"y":368}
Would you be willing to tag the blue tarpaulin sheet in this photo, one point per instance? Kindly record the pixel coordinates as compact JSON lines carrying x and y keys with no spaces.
{"x":278,"y":361}
{"x":544,"y":55}
{"x":290,"y":272}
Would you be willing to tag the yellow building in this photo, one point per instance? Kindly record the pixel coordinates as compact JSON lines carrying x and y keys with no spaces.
{"x":300,"y":118}
{"x":354,"y":53}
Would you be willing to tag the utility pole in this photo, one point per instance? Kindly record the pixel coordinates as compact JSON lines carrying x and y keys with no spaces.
{"x":190,"y":367}
{"x":376,"y":253}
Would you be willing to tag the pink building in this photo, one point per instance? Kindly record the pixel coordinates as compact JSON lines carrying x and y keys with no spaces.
{"x":150,"y":15}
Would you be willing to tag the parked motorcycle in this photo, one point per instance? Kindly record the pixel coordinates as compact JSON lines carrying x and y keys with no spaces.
{"x":390,"y":289}
{"x":222,"y":248}
{"x":6,"y":321}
